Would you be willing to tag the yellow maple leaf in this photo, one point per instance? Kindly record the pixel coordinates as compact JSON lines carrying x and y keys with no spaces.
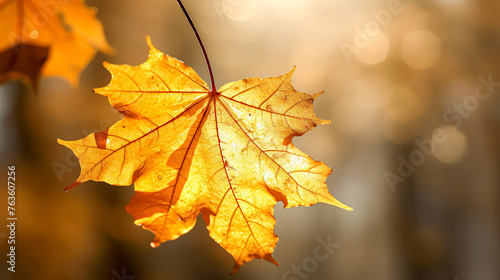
{"x":226,"y":154}
{"x":68,"y":28}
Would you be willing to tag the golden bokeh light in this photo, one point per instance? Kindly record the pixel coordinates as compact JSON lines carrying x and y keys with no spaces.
{"x":403,"y":108}
{"x":238,"y":10}
{"x":420,"y":49}
{"x":454,"y":148}
{"x":34,"y":34}
{"x":404,"y":105}
{"x":376,"y":52}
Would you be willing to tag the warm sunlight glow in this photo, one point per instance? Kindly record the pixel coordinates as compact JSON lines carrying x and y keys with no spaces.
{"x":454,"y":148}
{"x":420,"y":49}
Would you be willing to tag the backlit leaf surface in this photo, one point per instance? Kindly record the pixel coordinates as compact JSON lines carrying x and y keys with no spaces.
{"x":227,"y":154}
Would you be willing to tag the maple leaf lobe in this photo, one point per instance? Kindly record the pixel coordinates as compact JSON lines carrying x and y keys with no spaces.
{"x":190,"y":151}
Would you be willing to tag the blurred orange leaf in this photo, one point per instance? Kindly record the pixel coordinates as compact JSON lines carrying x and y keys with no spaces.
{"x":21,"y":62}
{"x":48,"y":37}
{"x":188,"y":150}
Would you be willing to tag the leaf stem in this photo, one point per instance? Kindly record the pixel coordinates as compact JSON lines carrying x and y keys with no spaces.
{"x":214,"y":89}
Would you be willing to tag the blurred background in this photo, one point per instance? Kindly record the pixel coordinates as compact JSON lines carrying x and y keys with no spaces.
{"x":414,"y":144}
